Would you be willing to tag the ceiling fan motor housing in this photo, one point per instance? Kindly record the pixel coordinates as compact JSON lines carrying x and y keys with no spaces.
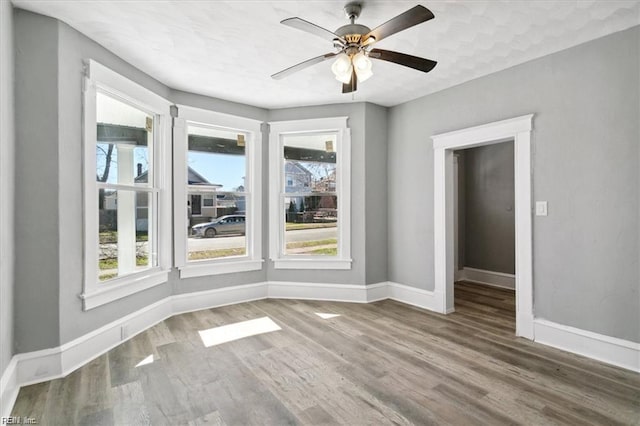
{"x":352,"y":32}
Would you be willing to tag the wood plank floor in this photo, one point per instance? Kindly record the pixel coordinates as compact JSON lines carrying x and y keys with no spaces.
{"x":374,"y":364}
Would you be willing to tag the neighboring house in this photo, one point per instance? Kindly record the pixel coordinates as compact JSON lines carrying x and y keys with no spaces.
{"x":201,"y":201}
{"x":231,"y":203}
{"x":201,"y":198}
{"x":111,"y":201}
{"x":326,"y":184}
{"x":108,"y":220}
{"x":296,"y":177}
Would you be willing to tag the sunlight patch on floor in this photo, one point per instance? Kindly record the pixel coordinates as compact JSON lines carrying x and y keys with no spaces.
{"x":326,"y":316}
{"x":240,"y":330}
{"x":147,"y":360}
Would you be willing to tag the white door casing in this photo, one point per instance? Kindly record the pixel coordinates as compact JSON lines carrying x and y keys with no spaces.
{"x":518,"y":131}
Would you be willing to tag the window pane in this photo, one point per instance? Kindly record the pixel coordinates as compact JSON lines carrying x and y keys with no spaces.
{"x":124,"y":138}
{"x":216,"y":158}
{"x":221,"y":232}
{"x":311,"y":225}
{"x":125,"y":220}
{"x":310,"y":220}
{"x":310,"y":163}
{"x":216,"y":202}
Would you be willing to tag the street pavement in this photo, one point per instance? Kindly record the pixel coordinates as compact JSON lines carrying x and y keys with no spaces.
{"x":221,"y":242}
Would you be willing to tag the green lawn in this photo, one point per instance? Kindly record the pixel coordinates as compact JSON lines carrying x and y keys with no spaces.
{"x":302,"y":244}
{"x":331,"y":251}
{"x":111,"y":237}
{"x":298,"y":226}
{"x":108,"y":276}
{"x":213,"y":254}
{"x":112,"y":262}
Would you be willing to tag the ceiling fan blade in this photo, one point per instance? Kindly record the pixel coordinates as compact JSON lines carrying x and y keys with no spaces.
{"x":311,"y":28}
{"x":352,"y":86}
{"x":420,"y":64}
{"x":408,"y":19}
{"x":302,"y":65}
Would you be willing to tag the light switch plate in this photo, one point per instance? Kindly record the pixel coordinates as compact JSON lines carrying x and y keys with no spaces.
{"x":541,"y":208}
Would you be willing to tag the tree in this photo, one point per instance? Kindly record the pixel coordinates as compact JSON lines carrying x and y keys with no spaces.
{"x":323,"y":174}
{"x":291,"y":214}
{"x":107,"y":162}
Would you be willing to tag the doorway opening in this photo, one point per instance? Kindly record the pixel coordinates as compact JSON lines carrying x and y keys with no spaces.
{"x":518,"y":132}
{"x":484,"y":235}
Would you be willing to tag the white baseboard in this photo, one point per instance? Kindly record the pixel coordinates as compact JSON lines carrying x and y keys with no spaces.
{"x":333,"y":292}
{"x":39,"y":366}
{"x":190,"y":302}
{"x":9,"y":388}
{"x":415,"y":296}
{"x":377,"y":292}
{"x":495,"y":279}
{"x":618,"y":352}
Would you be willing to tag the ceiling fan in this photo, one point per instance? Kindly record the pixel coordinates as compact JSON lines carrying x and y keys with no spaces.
{"x":353,"y":46}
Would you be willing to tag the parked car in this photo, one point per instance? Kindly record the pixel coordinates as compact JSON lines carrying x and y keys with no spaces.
{"x":230,"y":224}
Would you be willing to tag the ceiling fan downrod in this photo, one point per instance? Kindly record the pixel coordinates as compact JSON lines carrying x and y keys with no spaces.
{"x":352,"y":32}
{"x":352,"y":10}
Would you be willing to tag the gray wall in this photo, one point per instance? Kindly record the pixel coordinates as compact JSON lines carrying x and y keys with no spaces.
{"x":489,"y":215}
{"x":585,"y":164}
{"x":376,"y":193}
{"x":7,"y":184}
{"x":36,"y":202}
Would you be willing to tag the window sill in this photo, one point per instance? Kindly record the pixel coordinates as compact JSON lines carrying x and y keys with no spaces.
{"x":122,"y":287}
{"x":312,"y":263}
{"x":220,"y":267}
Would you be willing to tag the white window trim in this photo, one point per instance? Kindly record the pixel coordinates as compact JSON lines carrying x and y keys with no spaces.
{"x":253,"y":260}
{"x":94,"y":294}
{"x":343,"y":189}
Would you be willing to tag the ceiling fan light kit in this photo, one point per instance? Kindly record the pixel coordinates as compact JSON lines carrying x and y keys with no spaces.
{"x":362,"y":65}
{"x":353,"y":42}
{"x":342,"y":68}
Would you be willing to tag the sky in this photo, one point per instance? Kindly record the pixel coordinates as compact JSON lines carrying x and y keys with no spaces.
{"x":226,"y":170}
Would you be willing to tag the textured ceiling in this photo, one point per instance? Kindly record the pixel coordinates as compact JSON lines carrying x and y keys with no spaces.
{"x":229,"y":49}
